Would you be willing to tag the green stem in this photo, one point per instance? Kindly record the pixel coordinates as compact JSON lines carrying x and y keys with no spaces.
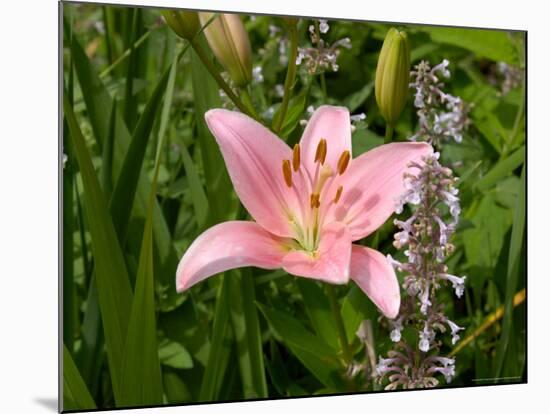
{"x":247,"y":101}
{"x":123,"y":57}
{"x":346,"y":351}
{"x":389,"y":134}
{"x":290,"y":77}
{"x":221,"y":83}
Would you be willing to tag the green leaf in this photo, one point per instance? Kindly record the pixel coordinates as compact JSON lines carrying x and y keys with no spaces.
{"x":68,"y":246}
{"x":246,"y":328}
{"x":501,"y":170}
{"x":198,"y":197}
{"x":141,"y":382}
{"x":75,"y":393}
{"x":296,"y":108}
{"x":492,"y":44}
{"x":318,"y":310}
{"x":113,"y":285}
{"x":175,"y":389}
{"x":356,"y":307}
{"x":126,"y":184}
{"x":513,"y":273}
{"x":205,"y":97}
{"x":174,"y":354}
{"x":316,"y":355}
{"x":220,"y":346}
{"x":99,"y":106}
{"x":356,"y":99}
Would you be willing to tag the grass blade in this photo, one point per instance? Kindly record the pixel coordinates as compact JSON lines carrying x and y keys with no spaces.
{"x":513,"y":273}
{"x":316,"y":355}
{"x":198,"y":196}
{"x":205,"y":97}
{"x":501,"y":169}
{"x":75,"y":394}
{"x":220,"y":346}
{"x":141,"y":382}
{"x":246,"y":327}
{"x":127,"y":182}
{"x":99,"y":105}
{"x":318,"y":310}
{"x":114,"y":291}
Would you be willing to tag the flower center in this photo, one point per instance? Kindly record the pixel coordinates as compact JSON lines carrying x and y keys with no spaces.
{"x":309,"y":231}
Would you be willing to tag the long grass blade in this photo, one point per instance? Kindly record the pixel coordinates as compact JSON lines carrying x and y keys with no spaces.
{"x":513,"y":274}
{"x":75,"y":394}
{"x":114,"y":291}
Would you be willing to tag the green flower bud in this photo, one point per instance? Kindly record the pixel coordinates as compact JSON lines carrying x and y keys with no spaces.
{"x":392,"y":75}
{"x":229,"y":41}
{"x":184,"y":23}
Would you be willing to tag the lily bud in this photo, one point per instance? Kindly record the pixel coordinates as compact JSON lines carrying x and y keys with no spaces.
{"x":392,"y":75}
{"x":229,"y":41}
{"x":184,"y":23}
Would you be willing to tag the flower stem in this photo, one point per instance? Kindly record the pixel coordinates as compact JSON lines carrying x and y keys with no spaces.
{"x":290,"y":77}
{"x":346,"y":351}
{"x":221,"y":83}
{"x":389,"y":134}
{"x":247,"y":101}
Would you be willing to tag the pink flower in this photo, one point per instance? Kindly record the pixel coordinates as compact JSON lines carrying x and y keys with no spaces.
{"x":309,"y":204}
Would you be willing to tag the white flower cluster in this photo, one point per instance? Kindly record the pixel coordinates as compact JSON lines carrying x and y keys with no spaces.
{"x":442,"y":116}
{"x":401,"y":373}
{"x":321,"y":56}
{"x":425,"y":238}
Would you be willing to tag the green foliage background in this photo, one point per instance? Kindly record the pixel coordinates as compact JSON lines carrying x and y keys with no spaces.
{"x":132,"y":207}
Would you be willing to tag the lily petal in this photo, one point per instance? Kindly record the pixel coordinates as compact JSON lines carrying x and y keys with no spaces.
{"x":229,"y":245}
{"x":333,"y":124}
{"x":376,"y":277}
{"x":372,"y":184}
{"x":330,"y":263}
{"x":253,"y":156}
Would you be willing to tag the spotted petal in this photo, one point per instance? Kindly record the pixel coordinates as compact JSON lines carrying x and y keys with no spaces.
{"x":229,"y":245}
{"x":376,"y":277}
{"x":253,"y":156}
{"x":372,"y":184}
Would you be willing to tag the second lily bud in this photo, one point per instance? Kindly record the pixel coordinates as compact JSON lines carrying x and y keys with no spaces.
{"x":184,"y":23}
{"x":228,"y":39}
{"x":392,"y":75}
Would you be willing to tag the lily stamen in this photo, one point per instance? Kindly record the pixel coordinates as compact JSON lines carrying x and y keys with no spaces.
{"x":296,"y":157}
{"x":321,"y":152}
{"x":287,"y":173}
{"x":343,"y":162}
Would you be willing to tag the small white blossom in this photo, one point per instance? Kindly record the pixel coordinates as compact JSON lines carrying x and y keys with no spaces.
{"x":455,"y":329}
{"x":323,"y":26}
{"x":257,"y":75}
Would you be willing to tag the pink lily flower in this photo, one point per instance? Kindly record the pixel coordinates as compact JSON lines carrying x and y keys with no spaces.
{"x":309,"y":203}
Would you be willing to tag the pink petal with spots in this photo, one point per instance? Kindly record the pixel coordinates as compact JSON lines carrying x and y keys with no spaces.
{"x":253,"y":156}
{"x":372,"y":184}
